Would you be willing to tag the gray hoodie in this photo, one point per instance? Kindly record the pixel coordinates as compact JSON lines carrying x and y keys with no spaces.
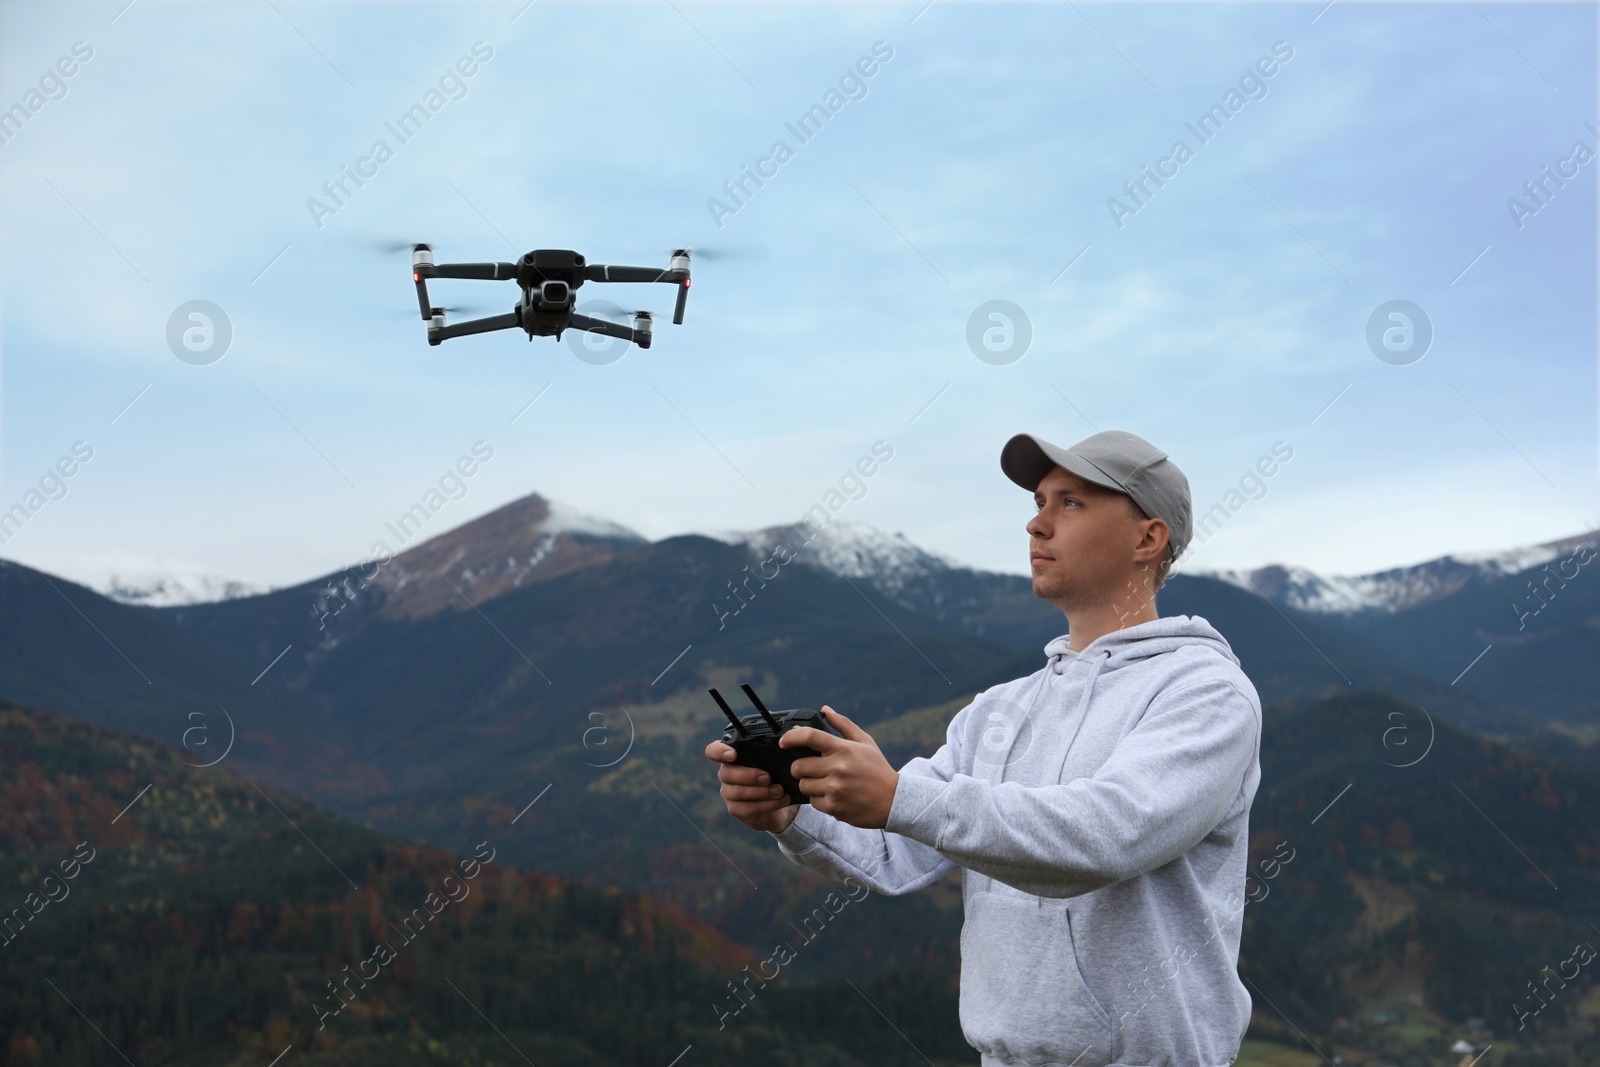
{"x":1099,"y":811}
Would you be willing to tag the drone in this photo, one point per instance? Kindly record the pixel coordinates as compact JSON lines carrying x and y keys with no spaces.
{"x":549,"y":280}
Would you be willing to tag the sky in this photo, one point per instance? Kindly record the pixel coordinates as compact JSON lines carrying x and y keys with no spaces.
{"x":1239,"y":309}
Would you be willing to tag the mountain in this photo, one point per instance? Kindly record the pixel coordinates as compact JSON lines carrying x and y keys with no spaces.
{"x":65,"y":647}
{"x":559,"y":687}
{"x":529,"y":540}
{"x":186,"y":916}
{"x":518,"y":628}
{"x":1528,"y":640}
{"x":424,"y":695}
{"x":1518,"y":630}
{"x":1001,"y":607}
{"x":1399,"y":588}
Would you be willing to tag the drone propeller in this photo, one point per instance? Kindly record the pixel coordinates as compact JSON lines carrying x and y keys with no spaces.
{"x":469,"y":309}
{"x":710,"y":254}
{"x":605,"y":309}
{"x":389,"y":248}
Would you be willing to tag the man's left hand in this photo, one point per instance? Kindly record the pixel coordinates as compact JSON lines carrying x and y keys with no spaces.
{"x":850,"y":780}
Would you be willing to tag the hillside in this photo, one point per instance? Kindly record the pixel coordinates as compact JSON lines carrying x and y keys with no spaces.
{"x":187,"y":917}
{"x":204,"y":918}
{"x":1401,"y":887}
{"x":1426,"y":862}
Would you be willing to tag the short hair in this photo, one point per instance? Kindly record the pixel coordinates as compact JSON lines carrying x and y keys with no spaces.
{"x":1164,"y":567}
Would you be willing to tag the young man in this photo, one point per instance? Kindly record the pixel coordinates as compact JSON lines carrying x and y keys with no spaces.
{"x":1098,"y":808}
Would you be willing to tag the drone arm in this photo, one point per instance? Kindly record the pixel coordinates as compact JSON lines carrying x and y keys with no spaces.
{"x":485,"y":272}
{"x":600,"y":272}
{"x":509,"y":321}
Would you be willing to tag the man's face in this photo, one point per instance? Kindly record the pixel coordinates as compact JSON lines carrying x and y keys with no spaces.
{"x":1081,"y":543}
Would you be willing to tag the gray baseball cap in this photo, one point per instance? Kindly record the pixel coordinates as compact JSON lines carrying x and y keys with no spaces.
{"x":1117,"y":460}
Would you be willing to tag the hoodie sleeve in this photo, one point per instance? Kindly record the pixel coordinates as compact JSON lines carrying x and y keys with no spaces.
{"x":885,"y":862}
{"x":1167,"y":784}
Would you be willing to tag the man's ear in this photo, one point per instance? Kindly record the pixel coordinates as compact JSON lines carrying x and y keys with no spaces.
{"x":1154,"y":543}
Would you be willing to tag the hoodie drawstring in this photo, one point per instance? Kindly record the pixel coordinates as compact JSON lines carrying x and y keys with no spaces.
{"x":1083,"y":705}
{"x":1101,"y":660}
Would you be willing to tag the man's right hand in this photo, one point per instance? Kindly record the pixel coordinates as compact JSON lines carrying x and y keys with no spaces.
{"x":750,"y":794}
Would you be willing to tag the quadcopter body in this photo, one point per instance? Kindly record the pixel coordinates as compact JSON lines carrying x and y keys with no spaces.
{"x":549,"y":279}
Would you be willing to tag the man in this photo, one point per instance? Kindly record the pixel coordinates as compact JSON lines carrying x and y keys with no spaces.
{"x":1098,"y":808}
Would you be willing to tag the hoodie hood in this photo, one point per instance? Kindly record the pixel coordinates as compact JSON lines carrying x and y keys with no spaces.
{"x":1119,"y":648}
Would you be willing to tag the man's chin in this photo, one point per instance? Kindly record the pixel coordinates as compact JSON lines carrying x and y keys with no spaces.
{"x":1055,"y":587}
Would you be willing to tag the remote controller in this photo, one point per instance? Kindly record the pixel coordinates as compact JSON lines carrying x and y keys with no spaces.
{"x":755,"y":740}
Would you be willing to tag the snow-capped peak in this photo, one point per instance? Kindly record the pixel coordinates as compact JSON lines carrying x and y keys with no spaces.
{"x":850,"y":550}
{"x":154,"y":588}
{"x":565,"y":519}
{"x":1395,"y":589}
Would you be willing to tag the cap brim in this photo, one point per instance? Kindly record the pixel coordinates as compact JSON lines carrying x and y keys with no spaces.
{"x":1026,"y":460}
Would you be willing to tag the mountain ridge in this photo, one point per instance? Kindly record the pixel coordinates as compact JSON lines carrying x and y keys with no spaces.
{"x":533,"y":538}
{"x":1397,"y":588}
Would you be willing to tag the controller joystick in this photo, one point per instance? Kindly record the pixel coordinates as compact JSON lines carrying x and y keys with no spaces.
{"x":754,"y":739}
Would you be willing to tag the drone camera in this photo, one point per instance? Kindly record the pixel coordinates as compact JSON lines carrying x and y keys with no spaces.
{"x":554,"y":293}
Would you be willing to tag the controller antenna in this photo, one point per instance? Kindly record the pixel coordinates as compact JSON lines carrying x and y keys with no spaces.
{"x":723,"y":704}
{"x":762,"y":708}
